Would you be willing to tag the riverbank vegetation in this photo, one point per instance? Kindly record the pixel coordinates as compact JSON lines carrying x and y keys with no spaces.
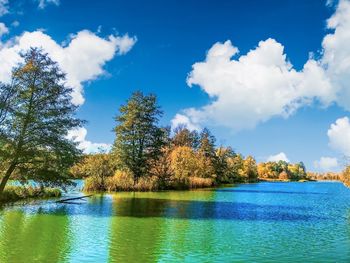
{"x":327,"y":176}
{"x":16,"y":193}
{"x":36,"y":114}
{"x":148,"y":157}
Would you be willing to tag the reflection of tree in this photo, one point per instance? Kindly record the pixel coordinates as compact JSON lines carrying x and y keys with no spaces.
{"x":149,"y":227}
{"x":135,"y":239}
{"x":34,"y":237}
{"x":188,"y":237}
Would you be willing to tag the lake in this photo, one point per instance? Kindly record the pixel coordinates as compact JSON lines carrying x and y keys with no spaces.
{"x":263,"y":222}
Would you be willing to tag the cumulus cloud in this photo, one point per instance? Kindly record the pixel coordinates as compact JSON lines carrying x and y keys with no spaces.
{"x":44,"y":3}
{"x":4,"y":7}
{"x":3,"y":29}
{"x":82,"y":59}
{"x":278,"y":157}
{"x":248,"y":89}
{"x":79,"y":135}
{"x":339,"y":136}
{"x":326,"y":163}
{"x":181,"y":119}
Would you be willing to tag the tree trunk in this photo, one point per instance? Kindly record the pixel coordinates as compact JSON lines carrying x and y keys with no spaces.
{"x":6,"y":177}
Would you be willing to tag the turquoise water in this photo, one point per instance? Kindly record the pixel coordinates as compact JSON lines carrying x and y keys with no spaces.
{"x":264,"y":222}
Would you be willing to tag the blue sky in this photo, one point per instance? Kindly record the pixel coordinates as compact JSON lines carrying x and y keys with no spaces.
{"x":166,"y":38}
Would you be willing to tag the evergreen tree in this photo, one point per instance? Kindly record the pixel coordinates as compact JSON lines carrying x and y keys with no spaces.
{"x":36,"y":114}
{"x":139,"y":140}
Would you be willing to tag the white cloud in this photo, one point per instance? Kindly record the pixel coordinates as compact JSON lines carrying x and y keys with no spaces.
{"x":4,"y":8}
{"x":181,"y":119}
{"x":3,"y":29}
{"x":44,"y":3}
{"x":278,"y":157}
{"x":339,"y":136}
{"x":79,"y":135}
{"x":82,"y":59}
{"x":252,"y":88}
{"x":336,"y":53}
{"x":326,"y":163}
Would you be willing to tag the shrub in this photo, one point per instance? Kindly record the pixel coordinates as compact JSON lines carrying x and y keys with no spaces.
{"x":199,"y":182}
{"x":149,"y":183}
{"x":94,"y":183}
{"x":121,"y":181}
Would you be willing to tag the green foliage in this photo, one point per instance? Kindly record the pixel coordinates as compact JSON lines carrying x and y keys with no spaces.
{"x":35,"y":115}
{"x":139,"y":140}
{"x":145,"y":157}
{"x":15,"y":193}
{"x":185,"y":137}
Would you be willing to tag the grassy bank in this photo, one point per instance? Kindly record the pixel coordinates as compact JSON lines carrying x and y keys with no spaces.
{"x":16,"y":193}
{"x":123,"y":181}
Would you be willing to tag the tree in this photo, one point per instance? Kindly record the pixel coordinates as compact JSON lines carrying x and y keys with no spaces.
{"x":185,"y":137}
{"x":249,"y":171}
{"x":206,"y":154}
{"x":139,"y":140}
{"x":34,"y":126}
{"x":224,"y":168}
{"x":184,"y":164}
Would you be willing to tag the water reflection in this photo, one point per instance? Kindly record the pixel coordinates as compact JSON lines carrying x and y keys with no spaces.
{"x":227,"y":225}
{"x":209,"y":210}
{"x":34,"y":237}
{"x":135,"y":240}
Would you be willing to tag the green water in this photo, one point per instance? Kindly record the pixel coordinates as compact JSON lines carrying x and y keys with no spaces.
{"x":265,"y":222}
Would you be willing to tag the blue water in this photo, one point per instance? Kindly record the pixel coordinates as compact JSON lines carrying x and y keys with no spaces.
{"x":263,"y":222}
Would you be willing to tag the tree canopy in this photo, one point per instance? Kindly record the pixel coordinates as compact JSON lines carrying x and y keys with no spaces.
{"x":36,"y":113}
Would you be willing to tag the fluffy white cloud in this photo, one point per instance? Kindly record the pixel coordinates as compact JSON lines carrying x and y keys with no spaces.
{"x":252,"y":88}
{"x":326,"y":163}
{"x":339,"y":136}
{"x":44,"y":3}
{"x":79,"y":136}
{"x":3,"y":29}
{"x":181,"y":119}
{"x":278,"y":157}
{"x":336,"y":53}
{"x":82,"y":59}
{"x":4,"y":8}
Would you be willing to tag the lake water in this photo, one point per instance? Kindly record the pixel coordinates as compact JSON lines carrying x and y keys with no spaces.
{"x":264,"y":222}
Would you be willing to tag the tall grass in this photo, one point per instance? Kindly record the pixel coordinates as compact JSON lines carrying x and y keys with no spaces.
{"x":199,"y":182}
{"x":14,"y":193}
{"x":124,"y":181}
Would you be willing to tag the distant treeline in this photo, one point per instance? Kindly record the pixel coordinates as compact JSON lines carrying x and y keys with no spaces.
{"x":146,"y":156}
{"x":327,"y":176}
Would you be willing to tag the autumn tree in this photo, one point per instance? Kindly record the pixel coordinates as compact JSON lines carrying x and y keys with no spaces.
{"x":224,"y":164}
{"x":249,"y":170}
{"x":139,"y":139}
{"x":36,"y":114}
{"x":98,"y":165}
{"x":184,"y":137}
{"x":184,"y":164}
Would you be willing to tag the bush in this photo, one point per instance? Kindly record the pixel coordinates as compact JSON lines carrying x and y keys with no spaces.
{"x":121,"y":181}
{"x":124,"y":181}
{"x":149,"y":183}
{"x":94,"y":183}
{"x":15,"y":193}
{"x":199,"y":182}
